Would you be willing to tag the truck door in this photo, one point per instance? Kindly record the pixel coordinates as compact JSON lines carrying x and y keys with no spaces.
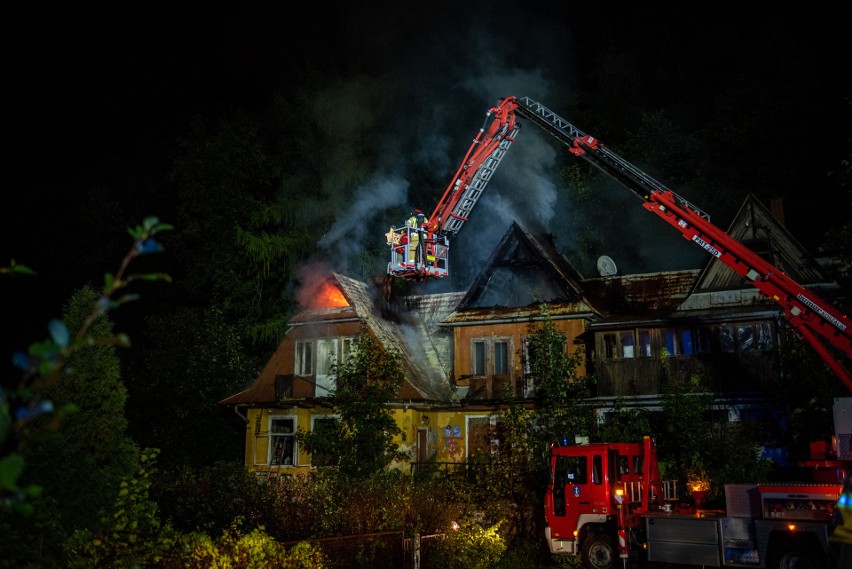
{"x":569,"y":477}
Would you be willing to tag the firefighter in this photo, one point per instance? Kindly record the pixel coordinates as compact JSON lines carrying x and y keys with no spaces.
{"x":412,"y":224}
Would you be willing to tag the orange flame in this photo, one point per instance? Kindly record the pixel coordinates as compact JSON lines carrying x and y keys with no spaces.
{"x":328,"y":296}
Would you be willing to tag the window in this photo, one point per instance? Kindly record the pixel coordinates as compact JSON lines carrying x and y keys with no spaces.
{"x":490,"y":356}
{"x":627,"y":348}
{"x":597,"y":469}
{"x":645,"y":344}
{"x":326,"y":363}
{"x":347,"y":348}
{"x":754,"y":337}
{"x":304,"y":361}
{"x":501,"y":358}
{"x":283,"y":387}
{"x":282,"y":441}
{"x":622,"y":344}
{"x":678,"y":341}
{"x":571,"y":469}
{"x":610,"y":346}
{"x":529,"y":380}
{"x":324,"y":424}
{"x":318,"y":358}
{"x":478,"y":356}
{"x":743,"y":337}
{"x":484,"y":434}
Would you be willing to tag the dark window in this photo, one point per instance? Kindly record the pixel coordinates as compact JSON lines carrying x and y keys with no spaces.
{"x":627,"y":347}
{"x":283,"y":386}
{"x":479,"y":358}
{"x":644,"y":344}
{"x":597,"y":469}
{"x":501,"y":358}
{"x":572,"y":469}
{"x":610,"y":346}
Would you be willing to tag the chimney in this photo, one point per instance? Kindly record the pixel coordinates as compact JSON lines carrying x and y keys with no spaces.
{"x":776,"y":206}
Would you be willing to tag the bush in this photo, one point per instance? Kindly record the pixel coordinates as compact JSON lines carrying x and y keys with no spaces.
{"x":470,"y":547}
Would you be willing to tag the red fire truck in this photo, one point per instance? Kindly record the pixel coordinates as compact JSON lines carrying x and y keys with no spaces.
{"x":607,"y":503}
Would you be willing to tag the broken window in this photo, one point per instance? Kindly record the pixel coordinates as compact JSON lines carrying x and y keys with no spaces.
{"x":282,"y":441}
{"x":485,"y":434}
{"x":742,"y":337}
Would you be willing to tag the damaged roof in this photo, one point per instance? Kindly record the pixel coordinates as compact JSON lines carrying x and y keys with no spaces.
{"x":408,"y":327}
{"x":523,"y":271}
{"x":646,"y":295}
{"x":424,"y":349}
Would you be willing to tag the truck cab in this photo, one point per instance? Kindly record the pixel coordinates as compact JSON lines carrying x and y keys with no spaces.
{"x":596,"y":496}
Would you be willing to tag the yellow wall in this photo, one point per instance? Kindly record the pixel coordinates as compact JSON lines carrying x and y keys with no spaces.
{"x":444,"y":433}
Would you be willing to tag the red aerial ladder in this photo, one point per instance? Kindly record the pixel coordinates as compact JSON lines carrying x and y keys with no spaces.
{"x":419,"y":249}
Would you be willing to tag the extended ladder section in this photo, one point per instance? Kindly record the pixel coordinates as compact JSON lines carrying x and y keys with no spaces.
{"x":482,"y":158}
{"x":471,"y":191}
{"x":816,"y":321}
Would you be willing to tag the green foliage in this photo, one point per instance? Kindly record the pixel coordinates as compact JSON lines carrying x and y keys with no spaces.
{"x":686,"y":429}
{"x":208,"y":498}
{"x":192,"y":358}
{"x":16,"y":269}
{"x":624,"y":424}
{"x":364,"y":443}
{"x":236,"y":549}
{"x":471,"y":546}
{"x":47,"y":362}
{"x":132,"y":535}
{"x":92,"y":444}
{"x":559,"y":389}
{"x":692,"y":445}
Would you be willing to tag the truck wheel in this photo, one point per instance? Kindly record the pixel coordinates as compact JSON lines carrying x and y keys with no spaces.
{"x":794,"y":557}
{"x":598,"y":552}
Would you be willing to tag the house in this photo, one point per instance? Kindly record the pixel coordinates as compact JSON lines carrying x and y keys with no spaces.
{"x":465,"y":353}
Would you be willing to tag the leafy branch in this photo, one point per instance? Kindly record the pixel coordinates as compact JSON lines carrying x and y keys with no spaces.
{"x":45,"y":362}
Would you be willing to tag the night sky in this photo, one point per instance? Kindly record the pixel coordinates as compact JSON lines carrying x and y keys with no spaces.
{"x":95,"y":95}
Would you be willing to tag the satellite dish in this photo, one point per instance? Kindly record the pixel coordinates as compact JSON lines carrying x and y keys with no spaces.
{"x":606,"y":266}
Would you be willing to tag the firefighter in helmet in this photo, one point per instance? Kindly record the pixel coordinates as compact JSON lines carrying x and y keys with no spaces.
{"x":413,"y":225}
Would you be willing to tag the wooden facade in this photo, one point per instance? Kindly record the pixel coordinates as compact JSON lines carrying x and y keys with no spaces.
{"x":464,"y":353}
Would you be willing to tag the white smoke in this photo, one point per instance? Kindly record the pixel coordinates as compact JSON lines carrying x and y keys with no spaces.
{"x":349,"y":232}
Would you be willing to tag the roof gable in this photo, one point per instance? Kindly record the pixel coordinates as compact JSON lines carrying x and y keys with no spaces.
{"x":523,"y":271}
{"x":755,"y":227}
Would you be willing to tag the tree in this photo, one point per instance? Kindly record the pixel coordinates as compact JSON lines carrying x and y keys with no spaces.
{"x":559,"y":390}
{"x":82,"y":464}
{"x":363,"y":440}
{"x":62,"y":429}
